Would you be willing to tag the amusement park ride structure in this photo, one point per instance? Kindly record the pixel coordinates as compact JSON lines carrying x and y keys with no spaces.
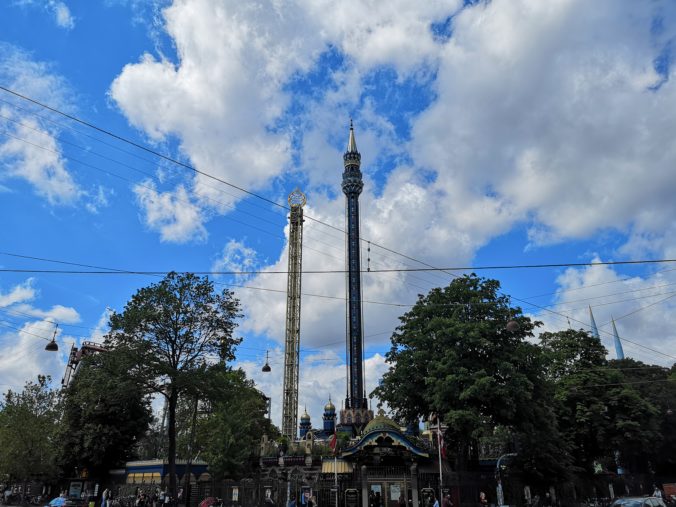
{"x":292,"y":343}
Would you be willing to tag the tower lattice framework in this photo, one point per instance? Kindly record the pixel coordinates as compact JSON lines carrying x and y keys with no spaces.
{"x":292,"y":344}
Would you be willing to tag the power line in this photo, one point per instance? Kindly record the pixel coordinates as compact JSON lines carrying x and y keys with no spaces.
{"x":342,"y":271}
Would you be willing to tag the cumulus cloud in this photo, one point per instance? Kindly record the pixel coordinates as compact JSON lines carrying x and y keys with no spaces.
{"x":18,"y":294}
{"x":321,"y":376}
{"x":33,"y":154}
{"x":536,"y":117}
{"x":25,"y":329}
{"x":236,"y":256}
{"x":171,"y":213}
{"x":29,"y":147}
{"x":642,"y":306}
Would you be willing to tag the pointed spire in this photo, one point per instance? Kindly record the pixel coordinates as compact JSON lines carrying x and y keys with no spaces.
{"x":351,"y":143}
{"x":619,"y":352}
{"x":594,"y":329}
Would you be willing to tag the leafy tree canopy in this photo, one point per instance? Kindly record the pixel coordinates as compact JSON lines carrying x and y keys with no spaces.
{"x":105,"y":413}
{"x":172,"y":329}
{"x":454,"y":355}
{"x":27,"y":431}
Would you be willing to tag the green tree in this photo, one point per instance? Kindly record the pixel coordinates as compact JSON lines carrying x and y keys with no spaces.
{"x":598,"y":410}
{"x":230,"y":429}
{"x":105,"y":413}
{"x":453,"y":355}
{"x":171,"y":329}
{"x":27,"y":431}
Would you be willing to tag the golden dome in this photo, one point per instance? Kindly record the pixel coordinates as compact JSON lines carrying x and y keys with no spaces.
{"x":381,"y":423}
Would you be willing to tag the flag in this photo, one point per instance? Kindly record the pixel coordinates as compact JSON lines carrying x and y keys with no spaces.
{"x":334,"y":441}
{"x":442,"y":445}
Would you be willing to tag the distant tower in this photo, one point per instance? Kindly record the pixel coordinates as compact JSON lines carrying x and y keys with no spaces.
{"x":356,"y":412}
{"x":619,"y":352}
{"x":329,"y":417}
{"x":292,"y":345}
{"x":305,"y":424}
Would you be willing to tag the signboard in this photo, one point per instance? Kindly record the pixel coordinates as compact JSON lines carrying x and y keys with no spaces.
{"x":75,"y":489}
{"x":395,"y":492}
{"x":351,"y":498}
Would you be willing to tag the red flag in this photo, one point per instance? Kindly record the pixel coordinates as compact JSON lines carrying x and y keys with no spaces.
{"x":334,"y":441}
{"x":442,"y":445}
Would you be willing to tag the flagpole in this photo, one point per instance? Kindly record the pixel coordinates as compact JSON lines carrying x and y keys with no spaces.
{"x":441,"y":475}
{"x":335,"y":473}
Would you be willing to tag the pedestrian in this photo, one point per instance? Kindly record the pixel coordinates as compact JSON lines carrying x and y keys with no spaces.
{"x":104,"y":497}
{"x":657,"y":493}
{"x":435,"y":501}
{"x":402,"y":500}
{"x":483,"y":501}
{"x":446,"y":502}
{"x":292,"y":501}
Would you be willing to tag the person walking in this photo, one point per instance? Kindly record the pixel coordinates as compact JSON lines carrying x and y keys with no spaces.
{"x":446,"y":502}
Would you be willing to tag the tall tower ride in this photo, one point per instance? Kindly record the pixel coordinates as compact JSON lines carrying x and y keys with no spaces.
{"x":356,"y":410}
{"x":292,"y":344}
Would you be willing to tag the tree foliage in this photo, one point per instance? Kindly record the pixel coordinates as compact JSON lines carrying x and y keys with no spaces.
{"x":453,"y":355}
{"x":229,"y":433}
{"x":28,"y":431}
{"x":599,"y":411}
{"x":171,"y":329}
{"x":105,"y":413}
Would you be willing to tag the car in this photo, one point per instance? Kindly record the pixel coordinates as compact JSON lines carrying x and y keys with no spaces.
{"x":638,"y":501}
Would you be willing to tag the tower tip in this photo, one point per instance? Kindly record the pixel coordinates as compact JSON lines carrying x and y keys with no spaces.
{"x":351,"y":142}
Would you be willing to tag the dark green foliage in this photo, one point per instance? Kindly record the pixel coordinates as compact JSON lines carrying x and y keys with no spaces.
{"x":599,"y":409}
{"x":105,"y":413}
{"x":28,"y":432}
{"x":229,"y":434}
{"x":170,"y":329}
{"x":453,"y":355}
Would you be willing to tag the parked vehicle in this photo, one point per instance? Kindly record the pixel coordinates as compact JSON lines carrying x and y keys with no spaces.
{"x":638,"y":501}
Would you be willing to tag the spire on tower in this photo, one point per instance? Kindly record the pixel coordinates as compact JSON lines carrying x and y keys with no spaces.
{"x":351,"y":143}
{"x":594,"y":329}
{"x":619,"y":352}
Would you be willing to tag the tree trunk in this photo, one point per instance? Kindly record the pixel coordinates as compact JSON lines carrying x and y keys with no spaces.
{"x":171,"y":434}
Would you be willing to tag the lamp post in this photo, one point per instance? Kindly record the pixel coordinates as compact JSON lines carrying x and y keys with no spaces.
{"x":498,"y":476}
{"x":52,"y":346}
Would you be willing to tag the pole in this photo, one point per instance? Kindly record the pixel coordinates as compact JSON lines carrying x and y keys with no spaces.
{"x":498,"y":476}
{"x":335,"y":474}
{"x":441,"y":474}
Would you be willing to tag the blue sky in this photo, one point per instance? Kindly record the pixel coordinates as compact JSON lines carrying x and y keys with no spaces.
{"x":491,"y":133}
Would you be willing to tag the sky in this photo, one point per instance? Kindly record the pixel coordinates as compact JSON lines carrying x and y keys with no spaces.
{"x":492,"y":133}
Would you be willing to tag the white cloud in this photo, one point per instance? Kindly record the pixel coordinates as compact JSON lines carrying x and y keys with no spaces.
{"x":33,"y":154}
{"x":236,"y":256}
{"x":321,"y":375}
{"x":18,"y":294}
{"x":25,"y":331}
{"x":30,"y":149}
{"x":171,"y":213}
{"x":62,"y":15}
{"x":643,"y":308}
{"x":58,"y":9}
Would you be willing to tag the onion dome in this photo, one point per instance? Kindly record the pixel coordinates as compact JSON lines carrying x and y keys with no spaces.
{"x":305,"y":417}
{"x":381,"y":423}
{"x":329,"y":407}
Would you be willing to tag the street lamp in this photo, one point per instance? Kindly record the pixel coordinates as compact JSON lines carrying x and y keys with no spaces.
{"x":498,"y":476}
{"x":266,"y":367}
{"x":52,"y":346}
